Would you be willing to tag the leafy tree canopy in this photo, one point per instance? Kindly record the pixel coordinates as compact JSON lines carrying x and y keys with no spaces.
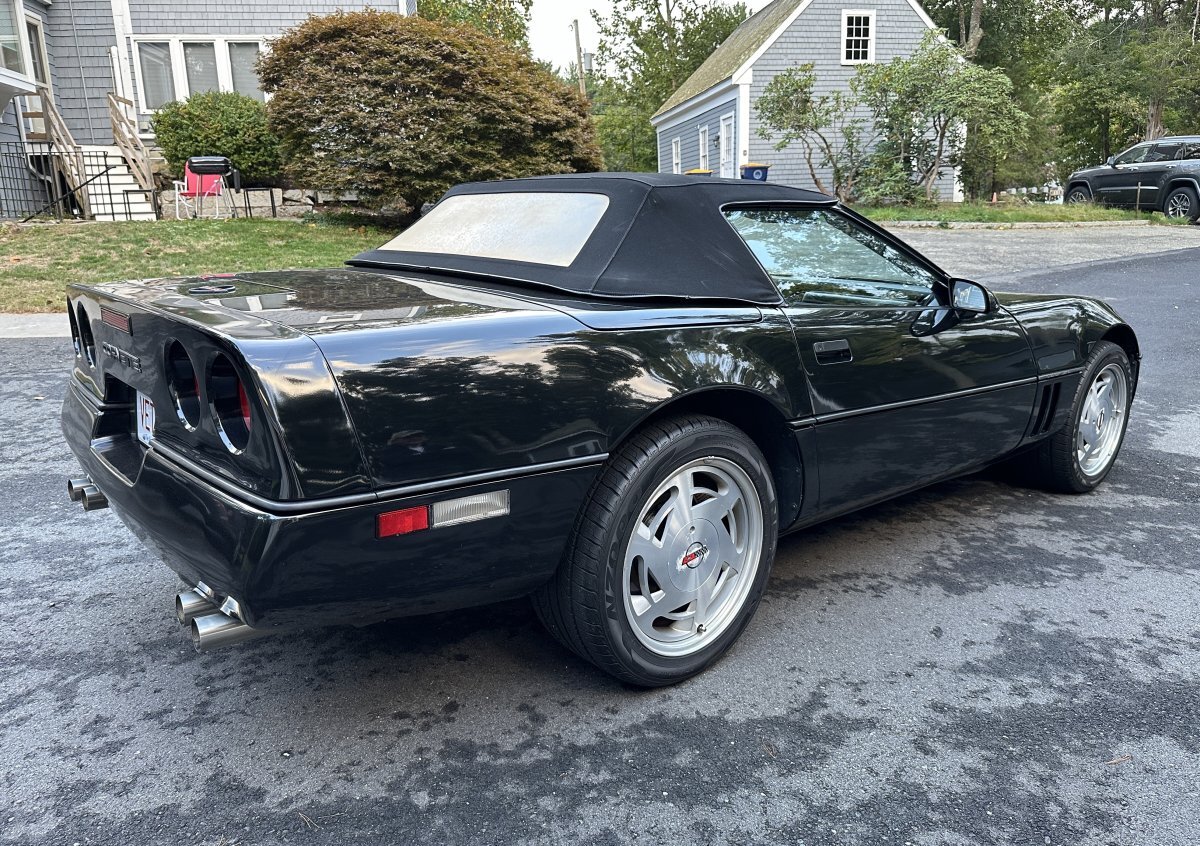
{"x":507,"y":20}
{"x":398,"y":109}
{"x":647,"y":49}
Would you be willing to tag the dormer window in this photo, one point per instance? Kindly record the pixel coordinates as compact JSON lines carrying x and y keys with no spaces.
{"x":858,"y":36}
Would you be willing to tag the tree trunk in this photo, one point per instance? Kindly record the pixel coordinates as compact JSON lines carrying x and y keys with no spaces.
{"x":1154,"y":120}
{"x":975,"y":33}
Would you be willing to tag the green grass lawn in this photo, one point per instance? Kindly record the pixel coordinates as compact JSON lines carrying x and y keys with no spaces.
{"x":37,"y":262}
{"x":1009,"y":213}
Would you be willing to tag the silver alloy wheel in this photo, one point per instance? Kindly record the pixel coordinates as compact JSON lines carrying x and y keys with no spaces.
{"x":1078,"y":195}
{"x":692,"y":557}
{"x":1179,"y":205}
{"x":1102,"y":420}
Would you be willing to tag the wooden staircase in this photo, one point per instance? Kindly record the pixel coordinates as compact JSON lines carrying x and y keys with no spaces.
{"x":95,"y":181}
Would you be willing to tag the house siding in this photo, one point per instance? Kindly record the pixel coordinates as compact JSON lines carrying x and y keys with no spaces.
{"x":688,"y":133}
{"x":230,"y":17}
{"x":816,"y":36}
{"x":79,"y":36}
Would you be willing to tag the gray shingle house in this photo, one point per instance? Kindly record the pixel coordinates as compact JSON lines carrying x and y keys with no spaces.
{"x":711,"y":123}
{"x":80,"y":79}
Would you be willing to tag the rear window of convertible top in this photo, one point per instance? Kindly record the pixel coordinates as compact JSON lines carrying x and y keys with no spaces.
{"x":540,"y":228}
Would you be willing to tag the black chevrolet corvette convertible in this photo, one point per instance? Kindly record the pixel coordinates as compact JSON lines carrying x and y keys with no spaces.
{"x":611,"y":392}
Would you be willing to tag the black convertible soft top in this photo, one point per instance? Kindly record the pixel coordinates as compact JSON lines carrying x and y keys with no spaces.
{"x":662,"y":236}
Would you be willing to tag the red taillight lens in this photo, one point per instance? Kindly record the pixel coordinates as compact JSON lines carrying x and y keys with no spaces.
{"x":402,"y":522}
{"x":244,"y":405}
{"x":230,"y":404}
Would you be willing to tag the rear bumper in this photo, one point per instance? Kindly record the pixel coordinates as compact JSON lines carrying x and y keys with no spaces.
{"x":325,"y":565}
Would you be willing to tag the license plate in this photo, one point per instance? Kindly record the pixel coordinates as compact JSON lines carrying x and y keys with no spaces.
{"x":145,"y":418}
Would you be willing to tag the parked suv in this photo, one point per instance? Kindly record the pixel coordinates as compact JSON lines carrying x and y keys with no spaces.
{"x":1161,"y":175}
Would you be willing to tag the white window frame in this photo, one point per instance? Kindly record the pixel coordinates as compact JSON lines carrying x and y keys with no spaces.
{"x":26,"y":71}
{"x":869,"y":14}
{"x":676,"y":155}
{"x":728,"y":146}
{"x":40,"y":25}
{"x":702,"y":137}
{"x":179,"y":67}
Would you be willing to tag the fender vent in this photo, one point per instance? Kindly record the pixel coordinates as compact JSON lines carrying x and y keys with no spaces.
{"x":1047,"y":407}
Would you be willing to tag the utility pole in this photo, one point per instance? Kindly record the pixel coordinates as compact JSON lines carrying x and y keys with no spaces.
{"x":579,"y":59}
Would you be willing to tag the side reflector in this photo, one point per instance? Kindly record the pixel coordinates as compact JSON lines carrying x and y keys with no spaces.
{"x":115,"y":319}
{"x":451,"y":512}
{"x":402,"y":522}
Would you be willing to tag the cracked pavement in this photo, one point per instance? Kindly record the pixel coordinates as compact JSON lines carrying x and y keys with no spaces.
{"x":977,"y":663}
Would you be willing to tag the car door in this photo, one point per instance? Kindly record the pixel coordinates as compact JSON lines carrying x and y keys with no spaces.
{"x":904,"y":389}
{"x":1117,"y":185}
{"x":1155,"y":170}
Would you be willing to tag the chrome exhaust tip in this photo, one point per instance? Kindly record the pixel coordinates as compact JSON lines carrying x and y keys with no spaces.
{"x":93,"y":499}
{"x":75,"y":488}
{"x":190,"y":604}
{"x":212,"y":631}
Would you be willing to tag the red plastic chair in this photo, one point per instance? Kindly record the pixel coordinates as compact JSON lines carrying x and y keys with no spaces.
{"x":191,"y":192}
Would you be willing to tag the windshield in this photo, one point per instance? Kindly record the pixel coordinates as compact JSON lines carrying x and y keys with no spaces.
{"x":539,"y":228}
{"x":822,"y":257}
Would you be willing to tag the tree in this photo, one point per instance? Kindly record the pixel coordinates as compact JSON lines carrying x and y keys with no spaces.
{"x":507,"y":20}
{"x":825,"y":126}
{"x":398,"y":109}
{"x":647,"y":49}
{"x":219,"y":123}
{"x":922,"y":105}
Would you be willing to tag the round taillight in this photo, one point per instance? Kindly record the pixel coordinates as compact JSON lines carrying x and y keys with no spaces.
{"x":74,"y":330}
{"x":184,"y":386}
{"x":87,"y":343}
{"x":230,"y":404}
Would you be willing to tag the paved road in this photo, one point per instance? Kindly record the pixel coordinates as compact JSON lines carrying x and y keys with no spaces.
{"x":977,"y":663}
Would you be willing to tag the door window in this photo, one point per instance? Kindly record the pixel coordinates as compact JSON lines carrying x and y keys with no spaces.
{"x":1133,"y":155}
{"x":820,"y":257}
{"x":1191,"y":150}
{"x":1164,"y":152}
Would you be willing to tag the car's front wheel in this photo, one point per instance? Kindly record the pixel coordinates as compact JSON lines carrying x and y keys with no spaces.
{"x":1182,"y":203}
{"x":669,"y":559}
{"x":1078,"y":457}
{"x":1078,"y":194}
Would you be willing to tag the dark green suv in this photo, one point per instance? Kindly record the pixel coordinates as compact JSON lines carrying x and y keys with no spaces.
{"x":1161,"y":175}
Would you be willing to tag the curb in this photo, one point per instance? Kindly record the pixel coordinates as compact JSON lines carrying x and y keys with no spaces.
{"x":1064,"y":224}
{"x":36,"y":325}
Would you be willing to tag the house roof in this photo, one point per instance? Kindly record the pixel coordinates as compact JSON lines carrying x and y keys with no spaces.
{"x":753,"y":33}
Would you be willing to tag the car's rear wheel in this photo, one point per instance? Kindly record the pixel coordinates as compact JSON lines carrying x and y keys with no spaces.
{"x":670,"y":555}
{"x":1078,"y":194}
{"x":1182,"y":203}
{"x":1077,"y":458}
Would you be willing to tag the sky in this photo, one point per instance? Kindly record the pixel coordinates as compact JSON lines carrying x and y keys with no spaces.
{"x":550,"y":34}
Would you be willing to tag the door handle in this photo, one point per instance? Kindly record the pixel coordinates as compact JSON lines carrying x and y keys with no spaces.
{"x":833,"y":352}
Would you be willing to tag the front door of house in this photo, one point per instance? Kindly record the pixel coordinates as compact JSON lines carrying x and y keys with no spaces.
{"x":727,"y":157}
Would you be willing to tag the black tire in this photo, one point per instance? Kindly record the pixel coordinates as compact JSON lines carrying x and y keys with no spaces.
{"x":1182,"y":202}
{"x":585,"y":605}
{"x":1078,"y":194}
{"x":1055,"y":464}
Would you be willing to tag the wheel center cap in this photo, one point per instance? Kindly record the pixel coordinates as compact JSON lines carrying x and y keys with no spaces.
{"x":694,"y":555}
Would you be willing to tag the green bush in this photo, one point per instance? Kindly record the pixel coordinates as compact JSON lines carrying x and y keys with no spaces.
{"x":219,"y":123}
{"x":397,"y":109}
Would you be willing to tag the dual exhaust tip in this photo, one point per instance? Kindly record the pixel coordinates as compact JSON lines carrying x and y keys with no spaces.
{"x":83,"y":491}
{"x":214,"y":622}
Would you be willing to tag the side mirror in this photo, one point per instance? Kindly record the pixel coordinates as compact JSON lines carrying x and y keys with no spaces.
{"x":1112,"y":161}
{"x":967,"y":297}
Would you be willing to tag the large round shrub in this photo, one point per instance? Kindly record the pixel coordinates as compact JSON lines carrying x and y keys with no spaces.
{"x":219,"y":123}
{"x":398,"y":109}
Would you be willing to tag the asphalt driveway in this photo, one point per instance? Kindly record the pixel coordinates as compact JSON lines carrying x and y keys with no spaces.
{"x":976,"y":663}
